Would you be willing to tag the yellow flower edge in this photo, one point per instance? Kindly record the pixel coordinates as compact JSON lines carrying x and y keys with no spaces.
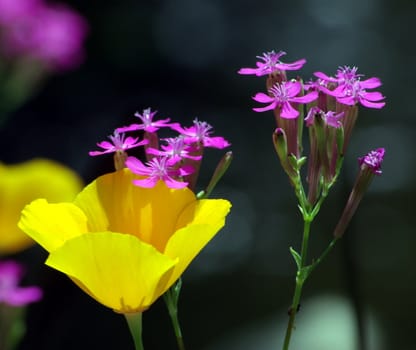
{"x":23,"y":182}
{"x":122,"y":244}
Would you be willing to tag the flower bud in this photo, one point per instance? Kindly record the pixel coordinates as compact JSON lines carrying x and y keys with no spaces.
{"x":370,"y":165}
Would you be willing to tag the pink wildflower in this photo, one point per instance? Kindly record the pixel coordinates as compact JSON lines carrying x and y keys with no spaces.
{"x":200,"y":133}
{"x":270,"y":63}
{"x":10,"y":293}
{"x":118,"y":144}
{"x":282,"y":95}
{"x":175,"y":150}
{"x":351,"y":94}
{"x":147,"y":124}
{"x":350,"y":89}
{"x":155,"y":170}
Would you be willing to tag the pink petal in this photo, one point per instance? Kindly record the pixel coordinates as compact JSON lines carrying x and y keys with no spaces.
{"x":216,"y":142}
{"x":293,"y":88}
{"x":105,"y":144}
{"x":294,"y":65}
{"x":267,"y":108}
{"x":171,"y":183}
{"x":131,"y":127}
{"x":262,"y":97}
{"x":288,"y":112}
{"x":313,"y":95}
{"x":370,"y":104}
{"x":146,"y":183}
{"x":373,"y":96}
{"x":323,"y":76}
{"x":247,"y":71}
{"x":370,"y":83}
{"x":136,"y":166}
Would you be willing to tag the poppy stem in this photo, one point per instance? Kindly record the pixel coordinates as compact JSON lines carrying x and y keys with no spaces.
{"x":134,"y":320}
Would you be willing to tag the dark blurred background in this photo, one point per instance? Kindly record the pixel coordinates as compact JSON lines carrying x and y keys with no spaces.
{"x":180,"y":57}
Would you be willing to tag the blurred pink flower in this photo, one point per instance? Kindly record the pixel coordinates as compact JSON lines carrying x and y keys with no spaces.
{"x":53,"y":35}
{"x":10,"y":293}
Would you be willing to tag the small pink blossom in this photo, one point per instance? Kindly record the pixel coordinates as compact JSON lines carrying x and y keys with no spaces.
{"x":350,"y":89}
{"x":356,"y":92}
{"x":344,"y":75}
{"x":200,"y":133}
{"x":373,"y":161}
{"x":10,"y":292}
{"x":282,"y":95}
{"x":175,"y":150}
{"x":157,"y":169}
{"x":119,"y":143}
{"x":270,"y":62}
{"x":147,"y":124}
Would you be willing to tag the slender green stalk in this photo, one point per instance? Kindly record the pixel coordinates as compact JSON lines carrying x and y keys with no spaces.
{"x":134,"y":320}
{"x":301,"y":276}
{"x":171,"y":298}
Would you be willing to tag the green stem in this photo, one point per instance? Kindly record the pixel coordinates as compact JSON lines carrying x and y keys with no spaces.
{"x":134,"y":320}
{"x":171,"y":299}
{"x":301,"y":276}
{"x":324,"y":254}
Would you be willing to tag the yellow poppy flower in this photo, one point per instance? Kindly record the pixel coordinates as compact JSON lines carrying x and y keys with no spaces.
{"x":122,"y":244}
{"x":19,"y":185}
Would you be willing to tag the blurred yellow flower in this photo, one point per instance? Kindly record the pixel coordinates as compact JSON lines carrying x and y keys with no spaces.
{"x":122,"y":244}
{"x":23,"y":182}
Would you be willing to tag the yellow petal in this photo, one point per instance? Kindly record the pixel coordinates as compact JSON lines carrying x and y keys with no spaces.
{"x":51,"y":224}
{"x":20,"y":184}
{"x":117,"y":270}
{"x":113,"y":203}
{"x":205,"y":218}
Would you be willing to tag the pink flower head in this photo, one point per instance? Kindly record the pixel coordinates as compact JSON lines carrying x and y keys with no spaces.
{"x":10,"y":292}
{"x":53,"y":35}
{"x":344,"y":75}
{"x":330,"y":118}
{"x":147,"y":124}
{"x":200,"y":133}
{"x":175,"y":150}
{"x":350,"y":89}
{"x":119,"y":143}
{"x":157,"y":169}
{"x":356,"y":92}
{"x":270,"y":62}
{"x":373,"y":161}
{"x":282,"y":95}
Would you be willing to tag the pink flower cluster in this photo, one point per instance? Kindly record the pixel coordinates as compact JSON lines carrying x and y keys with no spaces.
{"x":330,"y":114}
{"x":50,"y":34}
{"x":176,"y":162}
{"x":284,"y":96}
